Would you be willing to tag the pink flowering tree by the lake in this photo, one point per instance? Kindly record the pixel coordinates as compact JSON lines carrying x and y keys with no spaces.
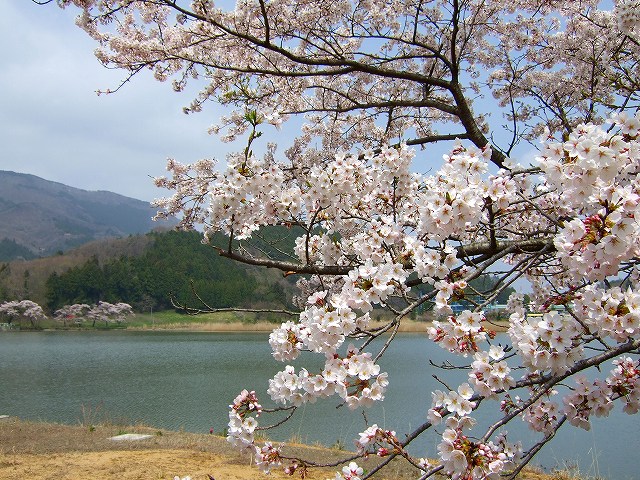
{"x":75,"y":313}
{"x":432,"y":143}
{"x":108,"y":313}
{"x":19,"y":310}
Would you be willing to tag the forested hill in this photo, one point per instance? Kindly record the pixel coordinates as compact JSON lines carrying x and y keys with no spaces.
{"x":147,"y":270}
{"x":144,"y":271}
{"x":39,"y":217}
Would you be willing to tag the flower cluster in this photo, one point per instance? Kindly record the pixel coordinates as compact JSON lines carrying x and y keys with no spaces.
{"x":596,"y":398}
{"x":384,"y":442}
{"x":267,"y":457}
{"x":371,"y":284}
{"x":458,"y":403}
{"x":489,"y":373}
{"x":628,"y":14}
{"x":328,"y":320}
{"x":188,"y":181}
{"x":430,"y":264}
{"x":549,"y":344}
{"x":592,"y":169}
{"x":448,"y":291}
{"x":611,"y":312}
{"x":585,"y":399}
{"x":242,"y":422}
{"x":542,"y":416}
{"x":248,"y":189}
{"x":350,"y":472}
{"x":624,"y":381}
{"x":241,"y":427}
{"x":317,"y":248}
{"x":454,"y":197}
{"x":287,"y":341}
{"x":461,"y":333}
{"x":463,"y":458}
{"x":350,"y":377}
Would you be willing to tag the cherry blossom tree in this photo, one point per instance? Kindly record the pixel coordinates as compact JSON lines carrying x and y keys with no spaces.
{"x":100,"y":312}
{"x":22,"y":310}
{"x":386,"y":222}
{"x":76,"y":312}
{"x":107,"y":312}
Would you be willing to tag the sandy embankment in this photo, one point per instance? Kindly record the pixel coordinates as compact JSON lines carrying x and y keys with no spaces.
{"x":44,"y":451}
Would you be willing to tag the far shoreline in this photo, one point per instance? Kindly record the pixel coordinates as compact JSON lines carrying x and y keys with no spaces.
{"x":225,"y":322}
{"x":406,"y":326}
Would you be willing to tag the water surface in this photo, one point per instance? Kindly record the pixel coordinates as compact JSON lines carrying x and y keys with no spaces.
{"x":178,"y":380}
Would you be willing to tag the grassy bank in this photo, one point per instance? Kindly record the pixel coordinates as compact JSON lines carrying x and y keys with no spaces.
{"x":225,"y":322}
{"x":232,"y":321}
{"x":207,"y":322}
{"x":40,"y":451}
{"x":172,"y":320}
{"x":169,"y":320}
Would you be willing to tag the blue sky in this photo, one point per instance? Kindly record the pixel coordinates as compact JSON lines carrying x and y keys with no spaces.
{"x":56,"y":127}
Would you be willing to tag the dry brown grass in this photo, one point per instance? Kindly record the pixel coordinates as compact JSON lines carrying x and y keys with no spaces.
{"x":210,"y":327}
{"x":39,"y":451}
{"x":47,"y":451}
{"x":236,"y":326}
{"x":406,"y":326}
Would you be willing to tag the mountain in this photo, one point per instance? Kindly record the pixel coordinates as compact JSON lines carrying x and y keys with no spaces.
{"x":39,"y":217}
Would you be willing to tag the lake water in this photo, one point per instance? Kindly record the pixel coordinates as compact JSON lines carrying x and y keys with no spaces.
{"x":186,"y":381}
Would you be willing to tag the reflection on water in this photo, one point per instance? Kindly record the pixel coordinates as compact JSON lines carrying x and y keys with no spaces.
{"x":186,"y":381}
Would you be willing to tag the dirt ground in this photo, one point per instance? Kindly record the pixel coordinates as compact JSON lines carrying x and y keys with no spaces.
{"x":44,"y":451}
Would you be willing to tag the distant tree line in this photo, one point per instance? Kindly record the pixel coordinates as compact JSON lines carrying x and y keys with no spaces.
{"x":177,"y":265}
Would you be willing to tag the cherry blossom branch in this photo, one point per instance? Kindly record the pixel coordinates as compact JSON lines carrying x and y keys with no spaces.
{"x":536,"y":448}
{"x":189,"y":310}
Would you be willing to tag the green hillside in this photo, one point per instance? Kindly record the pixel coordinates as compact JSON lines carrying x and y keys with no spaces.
{"x":145,"y":271}
{"x":175,"y":265}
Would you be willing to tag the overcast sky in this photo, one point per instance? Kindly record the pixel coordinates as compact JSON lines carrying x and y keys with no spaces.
{"x":53,"y":124}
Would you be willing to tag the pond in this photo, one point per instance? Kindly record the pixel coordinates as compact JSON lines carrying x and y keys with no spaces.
{"x":177,"y":380}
